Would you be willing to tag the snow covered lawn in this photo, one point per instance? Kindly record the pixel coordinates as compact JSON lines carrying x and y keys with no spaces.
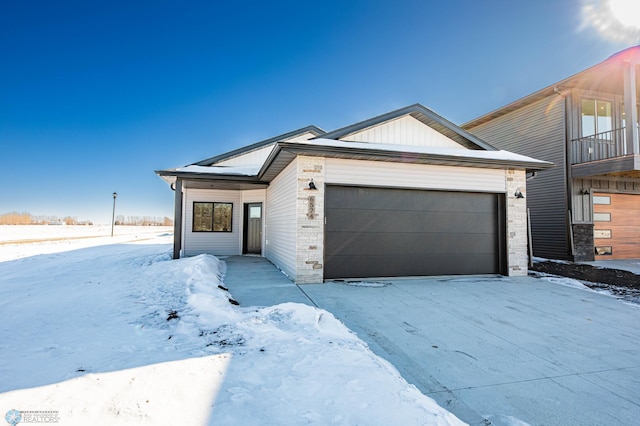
{"x":122,"y":334}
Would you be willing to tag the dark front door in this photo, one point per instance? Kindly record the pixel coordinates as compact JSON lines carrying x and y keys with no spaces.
{"x":384,"y":232}
{"x":253,"y":228}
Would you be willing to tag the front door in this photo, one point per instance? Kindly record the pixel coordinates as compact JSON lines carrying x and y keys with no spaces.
{"x":252,"y":228}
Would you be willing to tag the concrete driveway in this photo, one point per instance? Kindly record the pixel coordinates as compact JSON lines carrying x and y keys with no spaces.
{"x":492,"y":350}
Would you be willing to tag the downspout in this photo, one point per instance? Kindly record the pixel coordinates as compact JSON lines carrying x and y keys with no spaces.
{"x":568,"y":177}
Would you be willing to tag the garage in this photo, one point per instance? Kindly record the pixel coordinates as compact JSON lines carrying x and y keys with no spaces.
{"x":616,"y":226}
{"x":385,"y":232}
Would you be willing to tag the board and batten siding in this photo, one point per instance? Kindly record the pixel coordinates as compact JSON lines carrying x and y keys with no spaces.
{"x":215,"y":243}
{"x":252,"y":158}
{"x":300,"y":138}
{"x":416,"y":176}
{"x":403,"y":131}
{"x":280,"y":230}
{"x":258,"y":156}
{"x":583,"y":204}
{"x":538,"y":130}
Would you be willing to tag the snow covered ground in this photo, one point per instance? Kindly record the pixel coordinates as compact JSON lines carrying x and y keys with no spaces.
{"x":112,"y":331}
{"x":627,"y":293}
{"x":26,"y":240}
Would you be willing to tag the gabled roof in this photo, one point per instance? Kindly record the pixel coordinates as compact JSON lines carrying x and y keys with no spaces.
{"x":423,"y":114}
{"x":289,"y":135}
{"x":602,"y":77}
{"x":249,"y":177}
{"x":473,"y":152}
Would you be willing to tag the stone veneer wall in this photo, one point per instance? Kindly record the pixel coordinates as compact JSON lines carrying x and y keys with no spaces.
{"x":517,"y":259}
{"x":310,"y":221}
{"x":583,"y":243}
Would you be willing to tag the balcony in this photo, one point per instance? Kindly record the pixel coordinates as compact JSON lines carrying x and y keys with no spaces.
{"x":601,"y":146}
{"x":604,"y":153}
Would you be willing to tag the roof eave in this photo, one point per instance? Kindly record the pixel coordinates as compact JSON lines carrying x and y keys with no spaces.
{"x":291,"y":150}
{"x":168,"y":175}
{"x":169,"y":178}
{"x":234,"y":153}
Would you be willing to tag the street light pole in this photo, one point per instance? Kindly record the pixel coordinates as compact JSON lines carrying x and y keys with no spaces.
{"x":113,"y":213}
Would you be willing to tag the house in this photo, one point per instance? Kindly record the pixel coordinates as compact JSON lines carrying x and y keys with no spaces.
{"x":588,"y":207}
{"x":406,"y":193}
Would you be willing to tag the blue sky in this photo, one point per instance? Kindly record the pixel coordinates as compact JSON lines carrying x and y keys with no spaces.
{"x":96,"y":95}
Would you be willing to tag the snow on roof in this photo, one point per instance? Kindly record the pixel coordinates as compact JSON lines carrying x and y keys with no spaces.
{"x":222,"y":170}
{"x":427,"y":150}
{"x":462,"y":153}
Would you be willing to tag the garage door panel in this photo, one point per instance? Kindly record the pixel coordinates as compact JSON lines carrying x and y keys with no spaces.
{"x":398,"y":232}
{"x":348,"y":244}
{"x":618,"y":217}
{"x":391,"y":199}
{"x":626,"y":250}
{"x":625,"y":218}
{"x":353,"y":220}
{"x":412,"y":265}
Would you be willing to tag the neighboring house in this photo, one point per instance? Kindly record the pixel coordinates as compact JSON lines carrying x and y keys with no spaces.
{"x":406,"y":193}
{"x":588,"y":207}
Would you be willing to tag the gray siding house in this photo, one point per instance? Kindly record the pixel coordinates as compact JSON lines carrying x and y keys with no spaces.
{"x":588,"y":207}
{"x":406,"y":193}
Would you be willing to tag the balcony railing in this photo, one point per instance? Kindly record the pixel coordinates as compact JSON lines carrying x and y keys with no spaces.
{"x":600,"y":146}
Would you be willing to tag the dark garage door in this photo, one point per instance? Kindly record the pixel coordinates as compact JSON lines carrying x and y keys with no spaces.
{"x":383,"y":232}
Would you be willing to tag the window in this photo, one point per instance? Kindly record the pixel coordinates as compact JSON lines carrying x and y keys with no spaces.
{"x":255,"y":212}
{"x":596,"y":117}
{"x":602,"y":199}
{"x":212,"y":217}
{"x":624,"y":115}
{"x":602,"y":217}
{"x":602,"y":233}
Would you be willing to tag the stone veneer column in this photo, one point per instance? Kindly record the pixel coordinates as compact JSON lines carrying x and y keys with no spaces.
{"x":517,"y":260}
{"x":583,"y":243}
{"x":310,"y":221}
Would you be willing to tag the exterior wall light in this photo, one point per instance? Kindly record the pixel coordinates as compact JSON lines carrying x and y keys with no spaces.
{"x":518,"y":193}
{"x":312,"y":185}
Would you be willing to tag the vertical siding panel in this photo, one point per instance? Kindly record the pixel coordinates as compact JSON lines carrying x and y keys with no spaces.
{"x":538,"y":130}
{"x":280,"y":240}
{"x":581,"y":202}
{"x":303,"y":137}
{"x":249,"y":159}
{"x":617,"y":185}
{"x":420,"y":137}
{"x":403,"y":131}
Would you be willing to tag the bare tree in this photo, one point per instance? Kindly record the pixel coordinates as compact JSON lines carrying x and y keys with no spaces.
{"x":16,"y":218}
